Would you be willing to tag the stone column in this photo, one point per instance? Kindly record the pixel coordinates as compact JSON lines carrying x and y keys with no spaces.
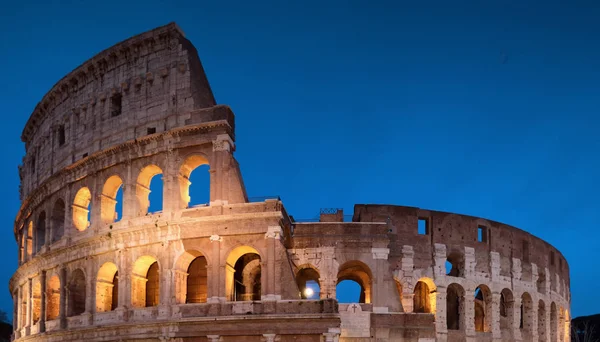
{"x":43,"y":302}
{"x":379,"y":294}
{"x":516,"y":331}
{"x":332,"y":335}
{"x":269,"y":337}
{"x":439,"y":267}
{"x":467,"y":311}
{"x":15,"y":318}
{"x":213,"y":338}
{"x":18,"y":318}
{"x":62,"y":310}
{"x":273,"y":236}
{"x":534,"y":320}
{"x":29,"y":322}
{"x":219,"y":180}
{"x":216,"y":291}
{"x":548,"y":324}
{"x":406,"y":273}
{"x":470,"y":262}
{"x":441,"y":326}
{"x":493,"y":317}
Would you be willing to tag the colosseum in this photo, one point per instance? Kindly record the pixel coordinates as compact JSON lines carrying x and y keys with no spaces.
{"x":237,"y":269}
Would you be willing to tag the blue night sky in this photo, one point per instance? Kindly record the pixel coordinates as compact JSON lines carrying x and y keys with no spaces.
{"x":489,"y":110}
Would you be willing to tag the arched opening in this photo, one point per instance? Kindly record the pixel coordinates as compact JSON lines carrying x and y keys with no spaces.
{"x":455,"y":307}
{"x":359,"y":273}
{"x":243,"y":274}
{"x":191,"y":282}
{"x":145,"y":282}
{"x":454,"y":264}
{"x":526,"y":323}
{"x":108,"y":205}
{"x":194,"y":181}
{"x":40,"y":231}
{"x":424,"y":296}
{"x":58,"y":220}
{"x":149,"y":190}
{"x":107,"y":288}
{"x":567,"y":326}
{"x":22,"y":245}
{"x":36,"y":301}
{"x":307,"y":279}
{"x":542,"y":321}
{"x":483,"y":306}
{"x":77,"y":295}
{"x":52,"y":298}
{"x":29,"y":246}
{"x":82,"y":209}
{"x":506,"y":313}
{"x":553,"y":323}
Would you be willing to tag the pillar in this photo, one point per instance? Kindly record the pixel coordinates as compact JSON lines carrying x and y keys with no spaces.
{"x":332,"y":335}
{"x":380,"y":295}
{"x":493,"y":317}
{"x":28,"y":322}
{"x":516,"y":331}
{"x":406,"y":272}
{"x":220,"y":164}
{"x":62,"y":311}
{"x":273,"y":236}
{"x":213,"y":338}
{"x":269,"y":337}
{"x":43,"y":302}
{"x":441,"y":326}
{"x":216,"y":288}
{"x":468,"y":313}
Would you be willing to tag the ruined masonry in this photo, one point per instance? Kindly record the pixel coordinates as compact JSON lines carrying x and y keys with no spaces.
{"x":236,"y":269}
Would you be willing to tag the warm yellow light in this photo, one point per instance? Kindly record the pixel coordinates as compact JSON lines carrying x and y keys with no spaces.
{"x":308,"y":292}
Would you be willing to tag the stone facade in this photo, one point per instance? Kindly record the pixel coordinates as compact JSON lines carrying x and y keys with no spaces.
{"x":234,"y":269}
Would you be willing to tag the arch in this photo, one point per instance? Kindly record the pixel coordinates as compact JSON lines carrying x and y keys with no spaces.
{"x":542,"y":321}
{"x":243,"y":274}
{"x":107,"y":287}
{"x":40,"y":231}
{"x":191,"y":282}
{"x":553,"y":323}
{"x":77,"y":295}
{"x":422,"y":298}
{"x":455,"y":262}
{"x":507,"y":311}
{"x":360,"y":273}
{"x":36,"y":301}
{"x":455,"y":307}
{"x":108,"y":212}
{"x":23,"y":244}
{"x":58,"y":220}
{"x":526,"y":323}
{"x":190,"y":164}
{"x":145,"y":284}
{"x":143,"y":190}
{"x":81,"y":209}
{"x":52,"y":298}
{"x":29,"y":245}
{"x":483,"y":306}
{"x":307,"y":279}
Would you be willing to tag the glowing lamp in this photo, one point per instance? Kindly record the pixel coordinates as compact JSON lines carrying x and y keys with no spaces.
{"x":308,"y":292}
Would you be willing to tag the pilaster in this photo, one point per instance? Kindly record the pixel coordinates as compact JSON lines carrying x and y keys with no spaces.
{"x":43,"y":302}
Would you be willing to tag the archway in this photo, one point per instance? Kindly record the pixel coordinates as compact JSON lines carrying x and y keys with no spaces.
{"x":52,"y":298}
{"x":191,"y":282}
{"x":107,"y":288}
{"x":359,"y":273}
{"x":40,"y":231}
{"x":77,"y":293}
{"x":454,"y":264}
{"x":542,"y":321}
{"x":243,"y":280}
{"x":553,"y":323}
{"x":108,"y":205}
{"x":149,"y":190}
{"x":526,"y":321}
{"x":455,"y":307}
{"x":145,"y":282}
{"x":507,"y":311}
{"x":307,"y":280}
{"x":36,"y":296}
{"x":29,"y":246}
{"x":82,"y":209}
{"x":424,"y":297}
{"x":483,"y":305}
{"x":194,"y":170}
{"x":58,"y":220}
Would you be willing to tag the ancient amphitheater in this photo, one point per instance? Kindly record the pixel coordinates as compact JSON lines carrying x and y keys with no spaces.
{"x":234,"y":269}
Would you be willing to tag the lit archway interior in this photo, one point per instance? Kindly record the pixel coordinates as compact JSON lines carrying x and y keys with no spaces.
{"x":52,"y":298}
{"x":191,"y":282}
{"x":424,"y":296}
{"x":243,"y":278}
{"x":107,"y":288}
{"x":483,"y":305}
{"x":82,"y":208}
{"x":108,"y":205}
{"x":359,"y":273}
{"x":145,"y":282}
{"x":149,"y":181}
{"x":307,"y":279}
{"x":194,"y":181}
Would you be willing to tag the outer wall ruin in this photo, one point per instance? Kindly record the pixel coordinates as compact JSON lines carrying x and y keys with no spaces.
{"x":234,"y":269}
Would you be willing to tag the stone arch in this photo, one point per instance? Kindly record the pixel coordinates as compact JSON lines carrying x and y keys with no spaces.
{"x":191,"y":278}
{"x":77,"y":295}
{"x":36,"y":301}
{"x":526,"y":324}
{"x":455,"y":263}
{"x":142,"y":191}
{"x":507,"y":310}
{"x":145,"y":282}
{"x":360,"y":273}
{"x":52,"y":298}
{"x":81,"y":208}
{"x":108,"y":213}
{"x":542,"y":321}
{"x":305,"y":275}
{"x":107,"y":287}
{"x":553,"y":322}
{"x":424,"y":300}
{"x":483,"y":308}
{"x":455,"y":307}
{"x":29,"y":244}
{"x":22,"y":244}
{"x":190,"y":163}
{"x":40,"y":231}
{"x":58,"y":220}
{"x":243,"y":274}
